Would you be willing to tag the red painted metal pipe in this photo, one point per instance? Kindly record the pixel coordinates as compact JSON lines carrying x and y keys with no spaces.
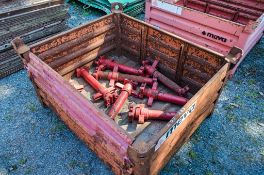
{"x":155,"y":94}
{"x":108,"y":94}
{"x":121,"y":86}
{"x":140,"y":113}
{"x":125,"y":92}
{"x":121,"y":77}
{"x":152,"y":71}
{"x":110,"y":64}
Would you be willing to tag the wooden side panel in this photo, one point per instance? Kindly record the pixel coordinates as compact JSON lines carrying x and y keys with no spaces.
{"x":183,"y":61}
{"x":79,"y":46}
{"x":150,"y":43}
{"x":164,"y":48}
{"x":200,"y":66}
{"x":131,"y":36}
{"x":204,"y":102}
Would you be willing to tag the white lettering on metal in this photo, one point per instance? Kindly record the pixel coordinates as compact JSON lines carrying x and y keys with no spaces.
{"x":173,"y":127}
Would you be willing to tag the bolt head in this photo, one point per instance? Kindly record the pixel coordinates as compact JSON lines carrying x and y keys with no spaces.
{"x":141,"y":119}
{"x":78,"y":72}
{"x":131,"y":112}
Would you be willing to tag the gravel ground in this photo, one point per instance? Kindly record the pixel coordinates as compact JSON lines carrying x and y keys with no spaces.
{"x":34,"y":141}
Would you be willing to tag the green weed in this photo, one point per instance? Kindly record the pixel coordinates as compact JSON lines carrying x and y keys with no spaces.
{"x":8,"y":117}
{"x":13,"y":167}
{"x":23,"y":161}
{"x":58,"y":128}
{"x":192,"y":154}
{"x":252,"y":82}
{"x":238,"y":81}
{"x":231,"y":117}
{"x":73,"y":163}
{"x":209,"y":173}
{"x":229,"y":107}
{"x":262,"y":152}
{"x":32,"y":107}
{"x":237,"y":97}
{"x":29,"y":171}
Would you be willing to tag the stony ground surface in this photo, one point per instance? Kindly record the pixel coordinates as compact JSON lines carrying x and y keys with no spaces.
{"x":34,"y":141}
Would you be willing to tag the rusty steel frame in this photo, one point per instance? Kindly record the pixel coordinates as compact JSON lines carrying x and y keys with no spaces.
{"x":110,"y":142}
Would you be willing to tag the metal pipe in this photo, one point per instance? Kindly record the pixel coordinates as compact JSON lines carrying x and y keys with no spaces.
{"x":108,"y":94}
{"x":110,"y":64}
{"x":121,"y":77}
{"x":116,"y":108}
{"x":121,"y":86}
{"x":152,"y":71}
{"x":140,"y":113}
{"x":155,"y":94}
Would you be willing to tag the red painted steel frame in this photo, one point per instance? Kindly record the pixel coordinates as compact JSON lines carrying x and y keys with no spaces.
{"x":205,"y":29}
{"x":82,"y":111}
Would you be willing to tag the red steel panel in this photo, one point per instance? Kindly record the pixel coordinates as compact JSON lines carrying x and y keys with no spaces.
{"x":79,"y":108}
{"x":192,"y":21}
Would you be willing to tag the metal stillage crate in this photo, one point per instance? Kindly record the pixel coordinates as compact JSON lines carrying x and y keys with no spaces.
{"x":52,"y":63}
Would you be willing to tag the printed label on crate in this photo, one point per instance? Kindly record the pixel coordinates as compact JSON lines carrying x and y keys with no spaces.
{"x":175,"y":126}
{"x":214,"y":36}
{"x":168,"y":7}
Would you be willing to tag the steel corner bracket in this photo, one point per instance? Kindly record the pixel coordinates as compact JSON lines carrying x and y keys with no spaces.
{"x":117,"y":7}
{"x":20,"y":47}
{"x":234,"y":55}
{"x":141,"y":159}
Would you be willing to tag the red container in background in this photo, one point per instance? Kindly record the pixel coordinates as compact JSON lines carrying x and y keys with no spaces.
{"x":217,"y":25}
